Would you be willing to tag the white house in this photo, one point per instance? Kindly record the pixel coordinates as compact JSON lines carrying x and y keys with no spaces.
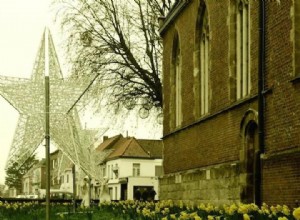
{"x":133,"y":164}
{"x":66,"y":179}
{"x":35,"y":179}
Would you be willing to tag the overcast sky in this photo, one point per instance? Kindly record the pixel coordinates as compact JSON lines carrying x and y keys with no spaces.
{"x":21,"y":26}
{"x":22,"y":23}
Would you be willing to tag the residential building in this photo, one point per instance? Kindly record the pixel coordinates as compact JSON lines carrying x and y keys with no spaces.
{"x":66,"y":179}
{"x":231,"y":85}
{"x":61,"y":175}
{"x":35,"y":179}
{"x":54,"y":166}
{"x":130,"y":164}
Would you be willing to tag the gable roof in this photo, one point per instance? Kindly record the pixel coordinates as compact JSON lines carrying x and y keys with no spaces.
{"x":130,"y":147}
{"x":154,"y":147}
{"x":108,"y":143}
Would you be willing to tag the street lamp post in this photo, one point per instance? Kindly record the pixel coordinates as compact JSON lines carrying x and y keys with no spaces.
{"x":47,"y":124}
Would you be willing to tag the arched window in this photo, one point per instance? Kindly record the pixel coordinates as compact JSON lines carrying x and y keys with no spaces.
{"x":201,"y":62}
{"x":250,"y":159}
{"x":251,"y":142}
{"x":176,"y":75}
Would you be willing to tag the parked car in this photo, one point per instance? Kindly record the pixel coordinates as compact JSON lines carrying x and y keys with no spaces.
{"x":21,"y":197}
{"x":32,"y":196}
{"x":61,"y":194}
{"x":27,"y":196}
{"x":56,"y":194}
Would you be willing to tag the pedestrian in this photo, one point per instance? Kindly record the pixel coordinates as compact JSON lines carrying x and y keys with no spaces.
{"x":137,"y":194}
{"x":145,"y":194}
{"x":152,"y":194}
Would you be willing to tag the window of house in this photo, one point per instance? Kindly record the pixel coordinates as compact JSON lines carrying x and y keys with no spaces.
{"x":243,"y":84}
{"x":204,"y":64}
{"x":103,"y":171}
{"x":116,"y":170}
{"x":67,"y":178}
{"x":116,"y":193}
{"x":112,"y":171}
{"x":201,"y":63}
{"x":176,"y":66}
{"x":136,"y":169}
{"x":108,"y":171}
{"x":110,"y":192}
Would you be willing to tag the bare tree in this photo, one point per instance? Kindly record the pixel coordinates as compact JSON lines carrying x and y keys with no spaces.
{"x":119,"y":42}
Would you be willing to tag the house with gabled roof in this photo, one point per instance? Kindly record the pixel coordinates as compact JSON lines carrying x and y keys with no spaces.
{"x":35,"y":179}
{"x":131,"y":165}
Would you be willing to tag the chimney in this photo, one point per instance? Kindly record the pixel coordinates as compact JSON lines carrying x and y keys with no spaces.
{"x":105,"y":138}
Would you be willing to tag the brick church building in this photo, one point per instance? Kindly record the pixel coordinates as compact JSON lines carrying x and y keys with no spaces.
{"x":231,"y":84}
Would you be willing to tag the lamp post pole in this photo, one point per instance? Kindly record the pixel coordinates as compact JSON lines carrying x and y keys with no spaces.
{"x":74,"y":187}
{"x":47,"y":146}
{"x":47,"y":126}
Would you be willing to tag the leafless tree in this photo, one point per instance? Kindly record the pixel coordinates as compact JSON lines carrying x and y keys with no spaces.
{"x":119,"y":42}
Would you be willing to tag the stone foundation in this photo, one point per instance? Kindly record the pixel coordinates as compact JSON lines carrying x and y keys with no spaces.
{"x":217,"y":185}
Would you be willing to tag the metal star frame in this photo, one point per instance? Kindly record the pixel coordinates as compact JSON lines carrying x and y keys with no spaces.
{"x":27,"y":96}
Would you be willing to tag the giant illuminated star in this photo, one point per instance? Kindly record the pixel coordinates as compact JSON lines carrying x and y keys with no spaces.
{"x":27,"y":96}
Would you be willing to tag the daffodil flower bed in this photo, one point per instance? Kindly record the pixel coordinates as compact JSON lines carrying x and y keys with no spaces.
{"x":29,"y":210}
{"x":167,"y":210}
{"x":136,"y":210}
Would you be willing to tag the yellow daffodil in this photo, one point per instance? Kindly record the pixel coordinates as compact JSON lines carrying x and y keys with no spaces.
{"x":197,"y":217}
{"x":201,"y":206}
{"x":180,"y":204}
{"x":231,"y":210}
{"x":296,"y":213}
{"x":167,"y":210}
{"x":173,"y":216}
{"x":286,"y":210}
{"x":243,"y":209}
{"x":246,"y":217}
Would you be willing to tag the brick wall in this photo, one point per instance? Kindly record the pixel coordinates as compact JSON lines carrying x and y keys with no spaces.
{"x":216,"y":138}
{"x":281,"y":175}
{"x":281,"y":179}
{"x":217,"y":185}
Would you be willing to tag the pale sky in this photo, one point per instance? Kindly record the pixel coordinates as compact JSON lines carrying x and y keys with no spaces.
{"x":21,"y":26}
{"x":22,"y":23}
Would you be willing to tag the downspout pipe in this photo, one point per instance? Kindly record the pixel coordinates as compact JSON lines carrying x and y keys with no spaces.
{"x":261,"y":100}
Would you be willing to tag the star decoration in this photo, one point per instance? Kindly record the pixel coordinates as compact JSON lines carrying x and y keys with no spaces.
{"x":27,"y":96}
